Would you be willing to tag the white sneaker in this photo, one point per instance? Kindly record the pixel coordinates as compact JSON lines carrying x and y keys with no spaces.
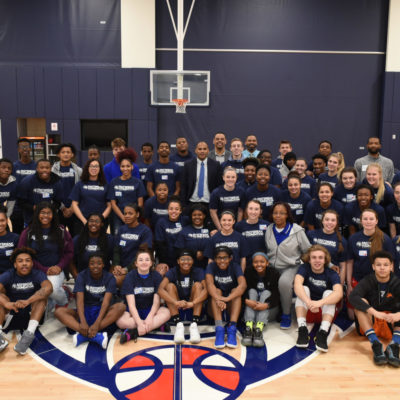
{"x":194,"y":333}
{"x":179,"y":336}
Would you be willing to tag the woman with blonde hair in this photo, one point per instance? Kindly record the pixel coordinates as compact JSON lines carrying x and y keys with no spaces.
{"x":383,"y":191}
{"x":335,"y":167}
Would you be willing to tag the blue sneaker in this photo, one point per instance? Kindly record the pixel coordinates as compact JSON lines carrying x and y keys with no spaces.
{"x":219,"y":337}
{"x":78,"y":339}
{"x":101,"y":339}
{"x":231,"y":336}
{"x":286,"y":321}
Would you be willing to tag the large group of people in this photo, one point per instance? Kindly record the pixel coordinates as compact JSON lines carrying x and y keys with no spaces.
{"x":228,"y":235}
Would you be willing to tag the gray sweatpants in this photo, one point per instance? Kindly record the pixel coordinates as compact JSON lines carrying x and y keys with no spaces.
{"x":285,"y":285}
{"x":260,"y":316}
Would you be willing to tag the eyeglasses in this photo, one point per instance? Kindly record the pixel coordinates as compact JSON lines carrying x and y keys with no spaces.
{"x":222,"y":258}
{"x":185,"y":259}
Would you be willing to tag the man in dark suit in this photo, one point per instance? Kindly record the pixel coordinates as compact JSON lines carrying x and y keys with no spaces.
{"x":200,"y":176}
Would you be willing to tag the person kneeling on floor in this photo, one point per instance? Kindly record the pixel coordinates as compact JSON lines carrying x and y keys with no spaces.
{"x":183,"y":288}
{"x":376,"y":300}
{"x":23,"y":297}
{"x":318,"y":290}
{"x":94,"y":288}
{"x":262,"y":299}
{"x":226,"y":285}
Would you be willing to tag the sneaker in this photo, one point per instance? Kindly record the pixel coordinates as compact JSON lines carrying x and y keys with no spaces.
{"x":392,"y":355}
{"x":78,"y":339}
{"x":258,"y":339}
{"x":286,"y":321}
{"x":179,"y":336}
{"x":231,"y":340}
{"x":302,"y":337}
{"x":321,"y":340}
{"x":128,"y":334}
{"x":247,"y":338}
{"x":26,"y":339}
{"x":101,"y":339}
{"x":194,"y":333}
{"x":3,"y":342}
{"x":219,"y":337}
{"x":379,"y":355}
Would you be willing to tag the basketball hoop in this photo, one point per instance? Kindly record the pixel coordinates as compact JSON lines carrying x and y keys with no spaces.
{"x":180,"y":105}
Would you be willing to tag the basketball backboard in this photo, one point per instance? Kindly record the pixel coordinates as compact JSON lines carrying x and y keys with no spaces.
{"x":167,"y":86}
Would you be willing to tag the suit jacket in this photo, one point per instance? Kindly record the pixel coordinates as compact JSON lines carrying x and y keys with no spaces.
{"x":213,"y":156}
{"x":189,"y":176}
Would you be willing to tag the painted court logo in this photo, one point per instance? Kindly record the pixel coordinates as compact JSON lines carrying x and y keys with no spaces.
{"x":168,"y":371}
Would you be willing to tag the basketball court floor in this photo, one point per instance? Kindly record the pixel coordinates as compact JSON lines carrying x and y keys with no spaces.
{"x":156,"y":368}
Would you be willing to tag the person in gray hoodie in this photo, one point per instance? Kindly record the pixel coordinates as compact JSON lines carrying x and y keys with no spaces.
{"x":286,"y":242}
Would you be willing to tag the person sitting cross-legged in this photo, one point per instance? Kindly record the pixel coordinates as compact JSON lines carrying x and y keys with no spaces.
{"x":23,"y":297}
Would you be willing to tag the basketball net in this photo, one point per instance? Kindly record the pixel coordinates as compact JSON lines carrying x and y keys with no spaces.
{"x":180,"y":105}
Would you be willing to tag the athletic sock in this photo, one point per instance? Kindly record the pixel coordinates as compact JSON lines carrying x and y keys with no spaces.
{"x":175,"y":318}
{"x":371,"y":335}
{"x":196,"y":319}
{"x":325,"y":325}
{"x":249,"y":324}
{"x":260,"y":325}
{"x":32,"y":326}
{"x":395,"y":338}
{"x":301,"y":321}
{"x":218,"y":322}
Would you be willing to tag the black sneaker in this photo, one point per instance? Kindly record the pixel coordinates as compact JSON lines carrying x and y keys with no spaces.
{"x":302,"y":338}
{"x":128,"y":334}
{"x":258,"y":339}
{"x":247,"y":338}
{"x":379,"y":355}
{"x":321,"y":342}
{"x":392,"y":355}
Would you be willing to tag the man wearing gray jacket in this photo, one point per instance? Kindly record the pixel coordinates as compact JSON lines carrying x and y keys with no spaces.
{"x":219,"y":153}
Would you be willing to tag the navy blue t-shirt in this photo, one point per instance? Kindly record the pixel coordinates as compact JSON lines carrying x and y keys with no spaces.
{"x":235,"y":241}
{"x":314,"y":211}
{"x":8,"y":243}
{"x":47,"y":255}
{"x":21,"y":287}
{"x":125,"y":191}
{"x":21,"y":170}
{"x":8,"y":192}
{"x":308,"y":185}
{"x":325,"y":178}
{"x":345,"y":196}
{"x":67,"y":175}
{"x":167,"y":173}
{"x":129,"y":239}
{"x":331,"y":243}
{"x":237,"y":164}
{"x":180,"y":160}
{"x":91,"y":197}
{"x":82,"y":259}
{"x":254,"y":235}
{"x":318,"y":283}
{"x":358,"y":250}
{"x":227,"y":279}
{"x":397,"y":255}
{"x":298,"y":206}
{"x":184,"y":282}
{"x":195,"y":239}
{"x":94,"y":290}
{"x":143,"y":289}
{"x":393,"y":216}
{"x":222,"y":199}
{"x":154,"y":210}
{"x":143,"y":167}
{"x":352,"y":214}
{"x":266,"y":198}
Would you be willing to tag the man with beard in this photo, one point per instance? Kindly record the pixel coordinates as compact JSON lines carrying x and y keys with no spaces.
{"x":374,"y":146}
{"x":251,"y":146}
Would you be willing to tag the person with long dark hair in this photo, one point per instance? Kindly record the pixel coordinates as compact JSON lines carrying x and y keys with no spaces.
{"x":53,"y":245}
{"x":90,"y":194}
{"x":93,"y":238}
